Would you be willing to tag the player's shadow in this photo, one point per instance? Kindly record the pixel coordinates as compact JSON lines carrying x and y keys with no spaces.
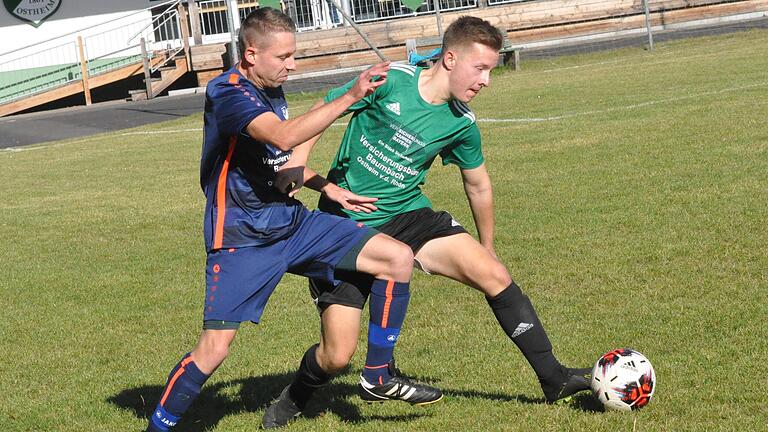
{"x":584,"y":401}
{"x":587,"y":402}
{"x":217,"y":401}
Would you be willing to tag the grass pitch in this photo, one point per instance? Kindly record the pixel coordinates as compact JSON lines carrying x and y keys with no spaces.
{"x":631,"y":202}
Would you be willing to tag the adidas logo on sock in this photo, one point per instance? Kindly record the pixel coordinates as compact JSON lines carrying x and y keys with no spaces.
{"x":521,"y":328}
{"x":394,"y":107}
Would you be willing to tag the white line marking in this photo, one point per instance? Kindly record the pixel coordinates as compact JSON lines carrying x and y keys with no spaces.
{"x":482,"y":120}
{"x":622,"y":108}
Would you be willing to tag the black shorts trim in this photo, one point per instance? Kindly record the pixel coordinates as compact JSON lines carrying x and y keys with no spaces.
{"x":414,"y":228}
{"x":349,"y":261}
{"x":220,"y":325}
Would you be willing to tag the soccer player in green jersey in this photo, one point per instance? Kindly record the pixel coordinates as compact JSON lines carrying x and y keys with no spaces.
{"x":393,"y":138}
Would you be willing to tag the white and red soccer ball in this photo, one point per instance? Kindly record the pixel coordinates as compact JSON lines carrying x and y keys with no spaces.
{"x":623,"y":380}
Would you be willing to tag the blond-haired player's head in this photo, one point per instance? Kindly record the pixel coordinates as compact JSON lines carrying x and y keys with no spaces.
{"x":470,"y":51}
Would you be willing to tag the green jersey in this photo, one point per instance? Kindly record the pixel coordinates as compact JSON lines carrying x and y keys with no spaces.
{"x":391,"y":141}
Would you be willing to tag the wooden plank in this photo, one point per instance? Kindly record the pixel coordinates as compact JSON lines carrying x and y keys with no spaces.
{"x":84,"y":70}
{"x":511,"y":17}
{"x":632,"y":22}
{"x":205,"y":76}
{"x":210,"y":56}
{"x":184,"y":24}
{"x":170,"y":77}
{"x":39,"y":99}
{"x":120,"y":74}
{"x":146,"y":69}
{"x":347,"y":60}
{"x":194,"y":21}
{"x":203,"y":65}
{"x":73,"y":88}
{"x":531,"y":34}
{"x":209,"y":48}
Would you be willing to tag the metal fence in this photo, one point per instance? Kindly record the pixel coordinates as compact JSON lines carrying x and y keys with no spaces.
{"x":377,"y":10}
{"x":35,"y":71}
{"x":213,"y":15}
{"x":313,"y":14}
{"x":320,"y":14}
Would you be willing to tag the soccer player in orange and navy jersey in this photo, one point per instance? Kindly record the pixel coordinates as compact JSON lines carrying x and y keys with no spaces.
{"x":255,"y":231}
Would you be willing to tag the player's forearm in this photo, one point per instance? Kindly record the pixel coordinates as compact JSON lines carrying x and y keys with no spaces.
{"x":481,"y":204}
{"x":294,"y":132}
{"x":314,"y":180}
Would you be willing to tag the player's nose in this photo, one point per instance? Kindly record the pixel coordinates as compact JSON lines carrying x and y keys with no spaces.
{"x":290,"y":63}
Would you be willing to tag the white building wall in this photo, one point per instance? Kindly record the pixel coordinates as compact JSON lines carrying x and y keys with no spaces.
{"x":105,"y":26}
{"x":71,"y":15}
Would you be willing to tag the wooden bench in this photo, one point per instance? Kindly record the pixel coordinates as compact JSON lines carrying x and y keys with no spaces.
{"x":509,"y":54}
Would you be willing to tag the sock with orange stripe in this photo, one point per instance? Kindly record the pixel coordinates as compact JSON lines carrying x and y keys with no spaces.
{"x":183,"y":386}
{"x":389,"y":302}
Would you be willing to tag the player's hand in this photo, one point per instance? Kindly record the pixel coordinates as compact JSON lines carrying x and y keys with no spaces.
{"x":289,"y":180}
{"x":369,"y":80}
{"x":349,"y":200}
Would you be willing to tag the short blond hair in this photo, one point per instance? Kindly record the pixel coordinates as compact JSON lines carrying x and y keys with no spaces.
{"x":261,"y":23}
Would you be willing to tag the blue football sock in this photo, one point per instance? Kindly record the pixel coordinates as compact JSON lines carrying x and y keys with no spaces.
{"x":183,"y":386}
{"x":389,"y":301}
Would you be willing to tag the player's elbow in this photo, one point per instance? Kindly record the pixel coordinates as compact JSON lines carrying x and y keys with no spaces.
{"x":284,"y":138}
{"x":479,"y":190}
{"x":283,"y":143}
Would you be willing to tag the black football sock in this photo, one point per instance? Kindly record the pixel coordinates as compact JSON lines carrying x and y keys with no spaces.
{"x":309,"y":378}
{"x":517,"y":317}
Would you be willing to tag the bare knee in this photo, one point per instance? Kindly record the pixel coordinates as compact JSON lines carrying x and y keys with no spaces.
{"x":210,"y":353}
{"x":500,"y":275}
{"x":334,"y":361}
{"x":401,"y":262}
{"x":386,"y":258}
{"x":494,"y":279}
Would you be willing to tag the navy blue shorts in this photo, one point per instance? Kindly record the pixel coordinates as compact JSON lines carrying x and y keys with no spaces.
{"x":239,"y":281}
{"x":414,"y":228}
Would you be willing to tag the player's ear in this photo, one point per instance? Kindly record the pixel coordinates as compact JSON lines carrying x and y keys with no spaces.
{"x":449,"y":60}
{"x":250,"y":54}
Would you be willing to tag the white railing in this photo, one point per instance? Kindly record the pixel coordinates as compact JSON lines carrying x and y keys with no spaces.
{"x":214,"y":21}
{"x":106,"y":46}
{"x":313,"y":15}
{"x":39,"y":71}
{"x":162,"y":36}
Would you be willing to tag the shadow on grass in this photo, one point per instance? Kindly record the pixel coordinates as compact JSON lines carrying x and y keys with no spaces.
{"x":586,"y":401}
{"x":502,"y":397}
{"x":255,"y":394}
{"x":583,"y":401}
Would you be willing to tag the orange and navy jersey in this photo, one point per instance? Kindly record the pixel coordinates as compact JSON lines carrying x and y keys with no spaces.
{"x":237,"y":172}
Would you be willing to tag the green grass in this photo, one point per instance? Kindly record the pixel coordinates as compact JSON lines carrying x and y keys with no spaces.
{"x":633,"y":213}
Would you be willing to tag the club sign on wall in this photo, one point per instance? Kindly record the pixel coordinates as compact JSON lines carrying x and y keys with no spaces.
{"x":32,"y":11}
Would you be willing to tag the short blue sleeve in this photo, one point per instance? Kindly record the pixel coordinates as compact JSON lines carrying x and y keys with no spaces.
{"x":236,"y":104}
